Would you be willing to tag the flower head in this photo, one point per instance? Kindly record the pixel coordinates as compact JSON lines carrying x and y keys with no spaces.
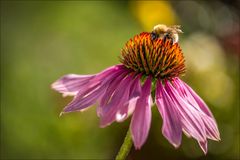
{"x":150,"y":64}
{"x":159,"y":58}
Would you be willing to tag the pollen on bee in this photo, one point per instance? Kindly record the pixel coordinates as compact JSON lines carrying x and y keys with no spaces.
{"x":159,"y":58}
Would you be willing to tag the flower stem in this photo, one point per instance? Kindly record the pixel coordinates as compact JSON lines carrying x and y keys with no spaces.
{"x":125,"y":148}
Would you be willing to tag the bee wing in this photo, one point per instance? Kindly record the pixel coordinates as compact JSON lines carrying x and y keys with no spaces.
{"x":176,"y":26}
{"x":178,"y":30}
{"x":175,"y":29}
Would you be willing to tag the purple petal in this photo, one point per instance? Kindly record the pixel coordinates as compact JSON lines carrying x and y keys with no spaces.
{"x":101,"y":78}
{"x":71,"y":83}
{"x":128,"y":108}
{"x":203,"y":145}
{"x":192,"y":96}
{"x":120,"y":96}
{"x":102,"y":75}
{"x":191,"y":120}
{"x":108,"y":94}
{"x":211,"y":127}
{"x":206,"y":115}
{"x":171,"y":128}
{"x":141,"y":119}
{"x":89,"y":94}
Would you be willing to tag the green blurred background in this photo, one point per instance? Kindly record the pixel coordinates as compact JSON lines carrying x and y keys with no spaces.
{"x":41,"y":41}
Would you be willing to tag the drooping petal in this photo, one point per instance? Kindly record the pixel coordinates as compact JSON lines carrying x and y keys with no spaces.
{"x":141,"y":120}
{"x":211,"y":127}
{"x":191,"y":120}
{"x":192,"y":96}
{"x":92,"y":92}
{"x":119,"y":97}
{"x":129,"y":106}
{"x":102,"y":75}
{"x":206,"y":115}
{"x":109,"y":92}
{"x":70,"y":84}
{"x":172,"y":128}
{"x":184,"y":93}
{"x":204,"y":146}
{"x":78,"y":104}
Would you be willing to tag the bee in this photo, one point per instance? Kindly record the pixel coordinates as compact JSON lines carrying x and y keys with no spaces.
{"x":166,"y":32}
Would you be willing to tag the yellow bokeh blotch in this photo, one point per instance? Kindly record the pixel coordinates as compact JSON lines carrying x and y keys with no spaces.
{"x":151,"y":13}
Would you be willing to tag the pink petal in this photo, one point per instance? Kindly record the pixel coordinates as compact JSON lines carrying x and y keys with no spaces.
{"x":172,"y":128}
{"x":204,"y":146}
{"x":108,"y":94}
{"x":71,"y":83}
{"x":192,"y":96}
{"x":206,"y":115}
{"x":191,"y":120}
{"x":90,"y":93}
{"x":120,"y":96}
{"x":141,"y":119}
{"x":128,"y":108}
{"x":102,"y":75}
{"x":101,"y":78}
{"x":211,"y":127}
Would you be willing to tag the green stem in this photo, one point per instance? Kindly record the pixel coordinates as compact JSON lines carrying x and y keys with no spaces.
{"x":125,"y":148}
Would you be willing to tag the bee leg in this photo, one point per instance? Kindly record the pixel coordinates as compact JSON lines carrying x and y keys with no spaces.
{"x":172,"y":40}
{"x":168,"y":36}
{"x":154,"y":36}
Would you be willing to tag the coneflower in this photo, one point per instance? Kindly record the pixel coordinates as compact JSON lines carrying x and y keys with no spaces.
{"x":151,"y":64}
